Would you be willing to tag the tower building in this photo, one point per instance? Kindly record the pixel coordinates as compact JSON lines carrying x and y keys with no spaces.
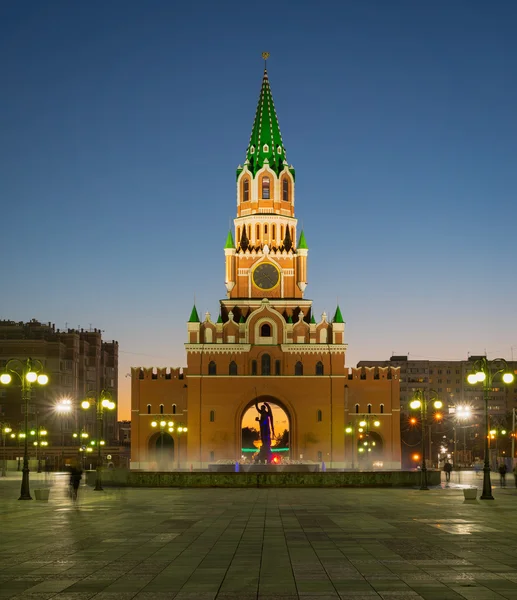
{"x":265,"y":344}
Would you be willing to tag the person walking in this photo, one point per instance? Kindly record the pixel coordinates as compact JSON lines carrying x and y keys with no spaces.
{"x":75,"y":479}
{"x":502,"y":474}
{"x":447,"y":467}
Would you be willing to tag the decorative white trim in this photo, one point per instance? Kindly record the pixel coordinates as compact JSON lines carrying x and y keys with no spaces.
{"x":218,"y":348}
{"x":313,"y":348}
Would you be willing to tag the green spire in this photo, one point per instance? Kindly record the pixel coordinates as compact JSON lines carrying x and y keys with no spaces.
{"x":229,"y":241}
{"x":313,"y":320}
{"x":242,"y":320}
{"x":219,"y":318}
{"x":289,"y":319}
{"x":266,"y":139}
{"x":194,"y":317}
{"x":338,"y":317}
{"x":302,"y":242}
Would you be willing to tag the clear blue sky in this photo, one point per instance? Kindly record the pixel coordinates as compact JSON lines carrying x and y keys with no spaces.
{"x":122,"y":124}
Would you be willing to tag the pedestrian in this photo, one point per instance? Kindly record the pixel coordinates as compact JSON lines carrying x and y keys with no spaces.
{"x":447,"y":467}
{"x":502,"y":474}
{"x":75,"y":479}
{"x":515,"y":473}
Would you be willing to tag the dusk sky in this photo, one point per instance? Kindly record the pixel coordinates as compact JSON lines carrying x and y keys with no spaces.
{"x":123,"y":122}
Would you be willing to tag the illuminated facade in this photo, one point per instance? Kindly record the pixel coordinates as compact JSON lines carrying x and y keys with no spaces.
{"x":264,"y":344}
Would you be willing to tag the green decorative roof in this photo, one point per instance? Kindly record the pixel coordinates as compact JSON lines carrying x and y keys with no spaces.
{"x":313,"y":320}
{"x":242,"y":320}
{"x":338,"y":317}
{"x":266,"y":140}
{"x":229,"y":240}
{"x":290,"y":319}
{"x":219,"y":319}
{"x":194,"y":317}
{"x":302,"y":242}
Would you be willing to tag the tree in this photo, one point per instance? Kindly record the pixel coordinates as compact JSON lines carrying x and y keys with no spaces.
{"x":282,"y":440}
{"x":249,"y":435}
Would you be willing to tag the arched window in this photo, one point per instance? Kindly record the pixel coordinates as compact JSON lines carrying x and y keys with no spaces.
{"x":265,"y":330}
{"x":253,"y":367}
{"x":148,"y":409}
{"x":258,"y":232}
{"x":265,"y":188}
{"x":273,"y":236}
{"x":246,"y":190}
{"x":285,"y":189}
{"x":357,"y":408}
{"x":173,"y":409}
{"x":323,"y":336}
{"x":369,"y":408}
{"x":266,"y":364}
{"x":319,"y":368}
{"x":298,"y":368}
{"x":212,"y":416}
{"x":233,"y":368}
{"x":382,"y":409}
{"x":281,"y":232}
{"x":319,"y":416}
{"x":212,"y":368}
{"x":161,"y":409}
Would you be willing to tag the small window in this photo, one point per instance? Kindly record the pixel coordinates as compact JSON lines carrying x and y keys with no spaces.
{"x":298,"y":368}
{"x":319,"y":368}
{"x":233,"y":368}
{"x":285,"y":189}
{"x":277,"y":367}
{"x":253,"y":367}
{"x":369,"y":408}
{"x":148,"y":409}
{"x":382,"y":409}
{"x":246,"y":190}
{"x":265,"y":188}
{"x":212,"y":368}
{"x":319,"y":416}
{"x":265,"y":330}
{"x":266,"y":364}
{"x":212,"y":416}
{"x":357,"y":408}
{"x":161,"y":409}
{"x":173,"y":409}
{"x":274,"y":232}
{"x":258,"y":232}
{"x":265,"y":229}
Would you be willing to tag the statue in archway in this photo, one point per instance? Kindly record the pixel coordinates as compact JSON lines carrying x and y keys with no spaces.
{"x":267,"y":429}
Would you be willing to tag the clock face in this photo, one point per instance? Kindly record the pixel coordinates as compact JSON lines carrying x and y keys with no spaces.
{"x":266,"y":276}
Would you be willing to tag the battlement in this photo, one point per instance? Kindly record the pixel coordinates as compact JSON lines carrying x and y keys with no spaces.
{"x":372,"y":373}
{"x":156,"y":373}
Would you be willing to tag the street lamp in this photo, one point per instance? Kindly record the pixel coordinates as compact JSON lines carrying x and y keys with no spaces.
{"x":37,"y":443}
{"x":163,"y":426}
{"x":28,"y":371}
{"x":484,"y":371}
{"x":181,"y":429}
{"x":421,"y":402}
{"x":63,"y":409}
{"x":363,"y":430}
{"x":6,"y":430}
{"x":104,"y":402}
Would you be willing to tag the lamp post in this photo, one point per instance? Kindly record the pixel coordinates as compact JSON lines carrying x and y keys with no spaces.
{"x":63,"y":408}
{"x":421,"y":402}
{"x":5,"y":431}
{"x":181,"y":429}
{"x":363,"y":430}
{"x":164,"y":426}
{"x":28,"y":371}
{"x":104,"y":402}
{"x":39,"y":433}
{"x":484,"y":371}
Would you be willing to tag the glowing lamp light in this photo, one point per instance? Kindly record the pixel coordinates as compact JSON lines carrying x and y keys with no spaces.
{"x":360,"y":430}
{"x":7,"y":430}
{"x":74,"y":435}
{"x":42,"y":379}
{"x":376,"y":423}
{"x":348,"y":430}
{"x":171,"y":429}
{"x":170,"y":424}
{"x":503,"y":431}
{"x":13,"y":435}
{"x":365,"y":443}
{"x":416,"y":456}
{"x":185,"y":429}
{"x":31,"y":377}
{"x":105,"y":402}
{"x":22,"y":435}
{"x":508,"y":377}
{"x":35,"y":443}
{"x":412,"y":421}
{"x":5,"y":378}
{"x":438,"y":416}
{"x":102,"y":442}
{"x":111,"y":405}
{"x":89,"y":449}
{"x":438,"y":404}
{"x":361,"y":450}
{"x":415,"y":404}
{"x":472,"y":379}
{"x":480,"y":376}
{"x":33,"y":432}
{"x":362,"y":423}
{"x":154,"y":423}
{"x":180,"y":429}
{"x":43,"y":432}
{"x":162,"y":423}
{"x":85,"y":404}
{"x":44,"y":443}
{"x":84,"y":435}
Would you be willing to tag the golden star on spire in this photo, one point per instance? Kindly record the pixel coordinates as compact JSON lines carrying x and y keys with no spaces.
{"x":265,"y":55}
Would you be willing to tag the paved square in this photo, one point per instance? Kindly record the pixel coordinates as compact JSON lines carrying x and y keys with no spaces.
{"x":160,"y":544}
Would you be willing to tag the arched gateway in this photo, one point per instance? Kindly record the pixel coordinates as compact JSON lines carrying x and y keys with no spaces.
{"x":266,"y":340}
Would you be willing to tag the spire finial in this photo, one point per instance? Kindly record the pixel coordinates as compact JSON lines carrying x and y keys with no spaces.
{"x":265,"y":56}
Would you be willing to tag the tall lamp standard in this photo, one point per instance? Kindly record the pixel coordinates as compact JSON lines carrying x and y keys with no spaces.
{"x":63,"y":408}
{"x":5,"y":431}
{"x":39,"y":433}
{"x":164,"y":425}
{"x":28,"y":371}
{"x":104,"y":402}
{"x":181,"y":429}
{"x":485,"y":371}
{"x":421,"y":402}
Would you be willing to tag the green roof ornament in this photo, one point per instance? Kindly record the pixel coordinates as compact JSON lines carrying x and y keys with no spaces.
{"x":313,"y":320}
{"x":289,"y":319}
{"x":302,"y":242}
{"x":266,"y":140}
{"x":194,"y":317}
{"x":242,"y":320}
{"x":338,"y":317}
{"x":219,"y":318}
{"x":229,"y":241}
